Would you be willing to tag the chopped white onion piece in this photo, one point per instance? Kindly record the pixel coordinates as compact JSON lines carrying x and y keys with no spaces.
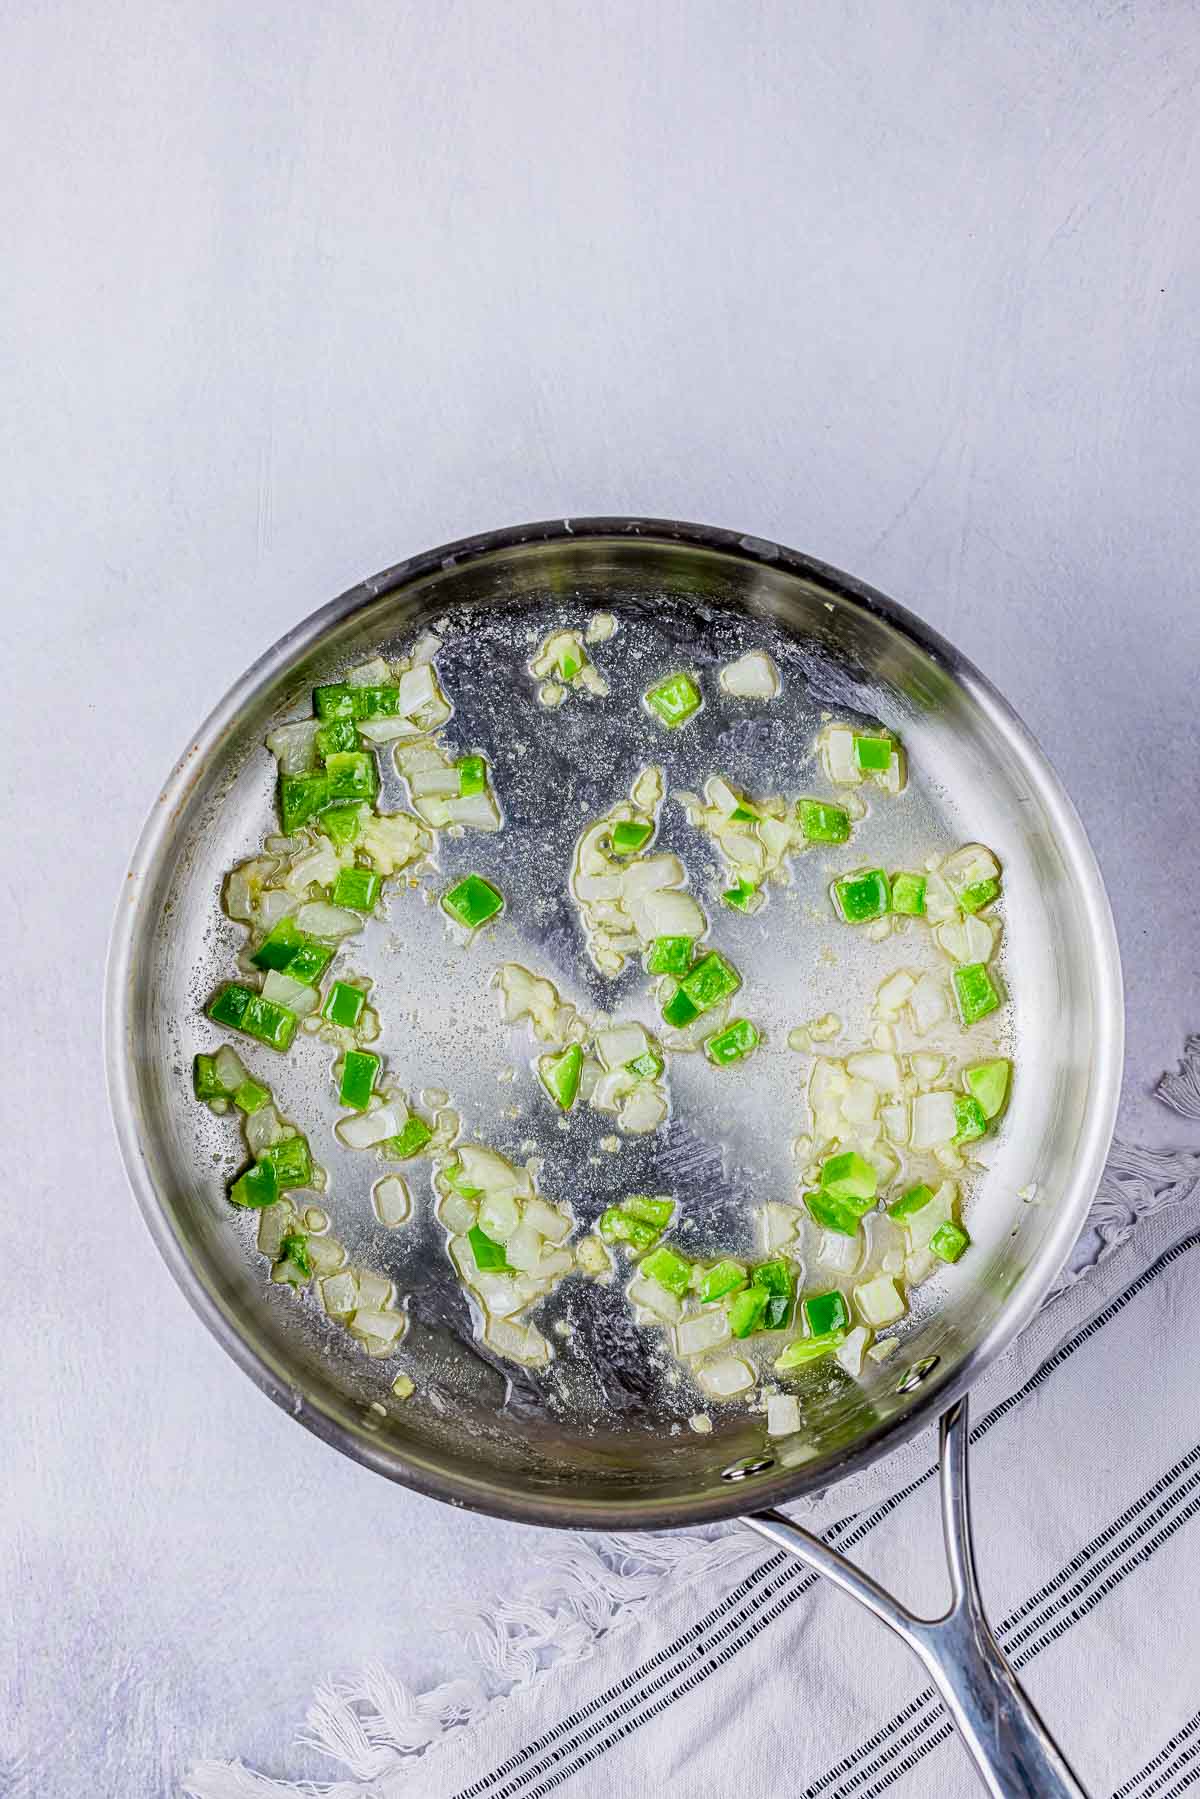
{"x":859,"y":1101}
{"x":393,"y":840}
{"x":879,"y":1301}
{"x":651,"y":874}
{"x":383,"y":1327}
{"x":552,"y":1264}
{"x":643,"y":1110}
{"x":665,"y":1306}
{"x":879,"y":1352}
{"x":849,"y":1355}
{"x":879,"y":1068}
{"x":836,"y":744}
{"x":517,"y":1342}
{"x":331,"y":923}
{"x":363,"y":1130}
{"x":928,"y":1003}
{"x":546,"y":1219}
{"x":621,"y":1043}
{"x":778,"y":1224}
{"x":940,"y":903}
{"x":294,"y":746}
{"x":274,"y":1223}
{"x":499,"y":1294}
{"x":896,"y":1121}
{"x":969,"y":939}
{"x":374,"y":1290}
{"x":706,"y":1331}
{"x":392,"y":1200}
{"x":839,"y":1252}
{"x":326,"y":1254}
{"x":927,"y":1066}
{"x":263,"y":1128}
{"x":592,"y":1256}
{"x":490,"y":1172}
{"x":783,"y":1415}
{"x":456,"y":1213}
{"x":522,"y":1245}
{"x":229,"y":1068}
{"x":723,"y":1376}
{"x":933,"y":1120}
{"x":477,"y":811}
{"x":921,"y":1225}
{"x":499,"y":1216}
{"x":752,"y":677}
{"x":601,"y":627}
{"x":281,"y":990}
{"x":339,"y":1294}
{"x":374,"y":673}
{"x":387,"y":730}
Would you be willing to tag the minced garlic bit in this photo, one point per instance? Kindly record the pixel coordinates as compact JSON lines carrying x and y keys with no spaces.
{"x":404,"y":1386}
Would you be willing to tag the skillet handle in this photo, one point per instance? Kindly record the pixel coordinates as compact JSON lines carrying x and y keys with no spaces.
{"x":1012,"y":1751}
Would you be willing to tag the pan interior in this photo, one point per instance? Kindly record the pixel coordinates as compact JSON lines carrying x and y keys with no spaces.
{"x":603,"y":1436}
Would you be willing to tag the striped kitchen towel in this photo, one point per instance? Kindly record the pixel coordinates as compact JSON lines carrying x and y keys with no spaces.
{"x":709,"y":1662}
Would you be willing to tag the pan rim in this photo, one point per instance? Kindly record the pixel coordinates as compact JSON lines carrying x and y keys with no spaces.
{"x":776,"y":1488}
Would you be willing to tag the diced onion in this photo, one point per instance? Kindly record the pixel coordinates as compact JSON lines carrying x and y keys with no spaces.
{"x":779,"y":1224}
{"x":383,"y":1327}
{"x":783,"y":1415}
{"x":281,"y":990}
{"x":753,"y":676}
{"x":229,"y":1068}
{"x":339,"y":1294}
{"x":374,"y":673}
{"x":262,"y":1129}
{"x":326,"y":1254}
{"x":849,"y":1355}
{"x":477,"y":811}
{"x":836,"y":744}
{"x":274,"y":1223}
{"x":621,"y":1043}
{"x":928,"y":1003}
{"x":517,"y":1342}
{"x":331,"y":923}
{"x":643,"y":1110}
{"x":879,"y":1301}
{"x":969,"y":939}
{"x":456,"y":1213}
{"x":706,"y":1331}
{"x":933,"y":1120}
{"x":374,"y":1290}
{"x":547,"y":1220}
{"x":723,"y":1376}
{"x":666,"y":1306}
{"x":392,"y":1200}
{"x":363,"y":1130}
{"x":593,"y":1257}
{"x":294,"y":746}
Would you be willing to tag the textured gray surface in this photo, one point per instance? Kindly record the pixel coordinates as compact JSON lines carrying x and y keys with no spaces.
{"x":291,"y":292}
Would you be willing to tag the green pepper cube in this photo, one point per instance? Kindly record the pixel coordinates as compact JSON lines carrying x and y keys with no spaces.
{"x":344,"y":1005}
{"x":669,"y":955}
{"x":569,"y":663}
{"x":279,"y":945}
{"x":309,"y":962}
{"x":411,"y":1141}
{"x":978,"y":895}
{"x":357,"y":888}
{"x":335,"y":700}
{"x":778,"y":1314}
{"x":271,"y":1023}
{"x":745,"y":814}
{"x":618,"y":1225}
{"x":472,"y":775}
{"x":251,"y":1097}
{"x":290,"y":1160}
{"x":490,"y":1257}
{"x":873,"y":754}
{"x":722,"y":1278}
{"x":775,"y":1277}
{"x":863,"y":896}
{"x":975,"y":992}
{"x":679,"y":1010}
{"x":206,"y":1083}
{"x":710,"y":981}
{"x":915,"y":1200}
{"x":908,"y":893}
{"x":646,"y":1067}
{"x":948,"y":1242}
{"x":742,"y":896}
{"x":674,"y":700}
{"x":293,"y":1260}
{"x":850,"y":1178}
{"x":669,"y":1269}
{"x":629,"y":835}
{"x":382,"y":701}
{"x":970,"y":1119}
{"x":359,"y":1069}
{"x":731,"y":1044}
{"x":988,"y":1083}
{"x":559,"y":1075}
{"x":338,"y":734}
{"x":353,"y":775}
{"x":341,"y":824}
{"x":747,"y":1311}
{"x":230,"y":1005}
{"x":472,"y":902}
{"x":650,"y":1211}
{"x":833,"y":1214}
{"x":825,"y":1312}
{"x":810,"y":1349}
{"x":301,"y":797}
{"x":822,"y":822}
{"x":256,"y":1188}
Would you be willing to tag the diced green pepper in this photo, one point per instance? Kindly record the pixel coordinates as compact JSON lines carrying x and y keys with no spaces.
{"x":809,"y":1349}
{"x":747,"y":1311}
{"x":251,"y":1097}
{"x":338,"y":734}
{"x":271,"y":1023}
{"x":344,"y":1005}
{"x":745,"y":814}
{"x":206,"y":1084}
{"x":741,"y":896}
{"x":357,"y":888}
{"x":970,"y":1119}
{"x":646,"y":1067}
{"x":822,"y":822}
{"x":629,"y":835}
{"x":293,"y":1258}
{"x":559,"y":1075}
{"x":730,"y":1045}
{"x":472,"y":775}
{"x":674,"y":700}
{"x":256,"y":1188}
{"x":618,"y":1225}
{"x":825,"y":1313}
{"x":335,"y":700}
{"x":873,"y":754}
{"x":309,"y":962}
{"x":569,"y":663}
{"x":452,"y":1174}
{"x":833,"y":1214}
{"x":975,"y":992}
{"x":230,"y":1005}
{"x":679,"y":1010}
{"x":291,"y":1162}
{"x":908,"y":893}
{"x":776,"y":1277}
{"x":710,"y":981}
{"x":279,"y":945}
{"x":778,"y":1314}
{"x":669,"y":1269}
{"x":978,"y":895}
{"x":376,"y":702}
{"x":863,"y":896}
{"x":988,"y":1083}
{"x":353,"y":775}
{"x":650,"y":1211}
{"x":490,"y":1257}
{"x":851,"y":1178}
{"x":359,"y":1069}
{"x":301,"y":797}
{"x":915,"y":1200}
{"x":722,"y":1278}
{"x":341,"y":824}
{"x":669,"y":955}
{"x":472,"y":902}
{"x":411,"y":1141}
{"x":948,"y":1242}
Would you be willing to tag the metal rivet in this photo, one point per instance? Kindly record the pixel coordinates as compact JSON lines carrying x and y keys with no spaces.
{"x":751,"y":1465}
{"x":917,"y":1373}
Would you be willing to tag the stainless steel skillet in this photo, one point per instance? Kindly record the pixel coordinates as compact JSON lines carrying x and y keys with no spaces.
{"x":601,"y":1443}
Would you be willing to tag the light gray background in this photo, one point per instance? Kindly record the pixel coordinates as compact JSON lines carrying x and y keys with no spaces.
{"x":290,"y":291}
